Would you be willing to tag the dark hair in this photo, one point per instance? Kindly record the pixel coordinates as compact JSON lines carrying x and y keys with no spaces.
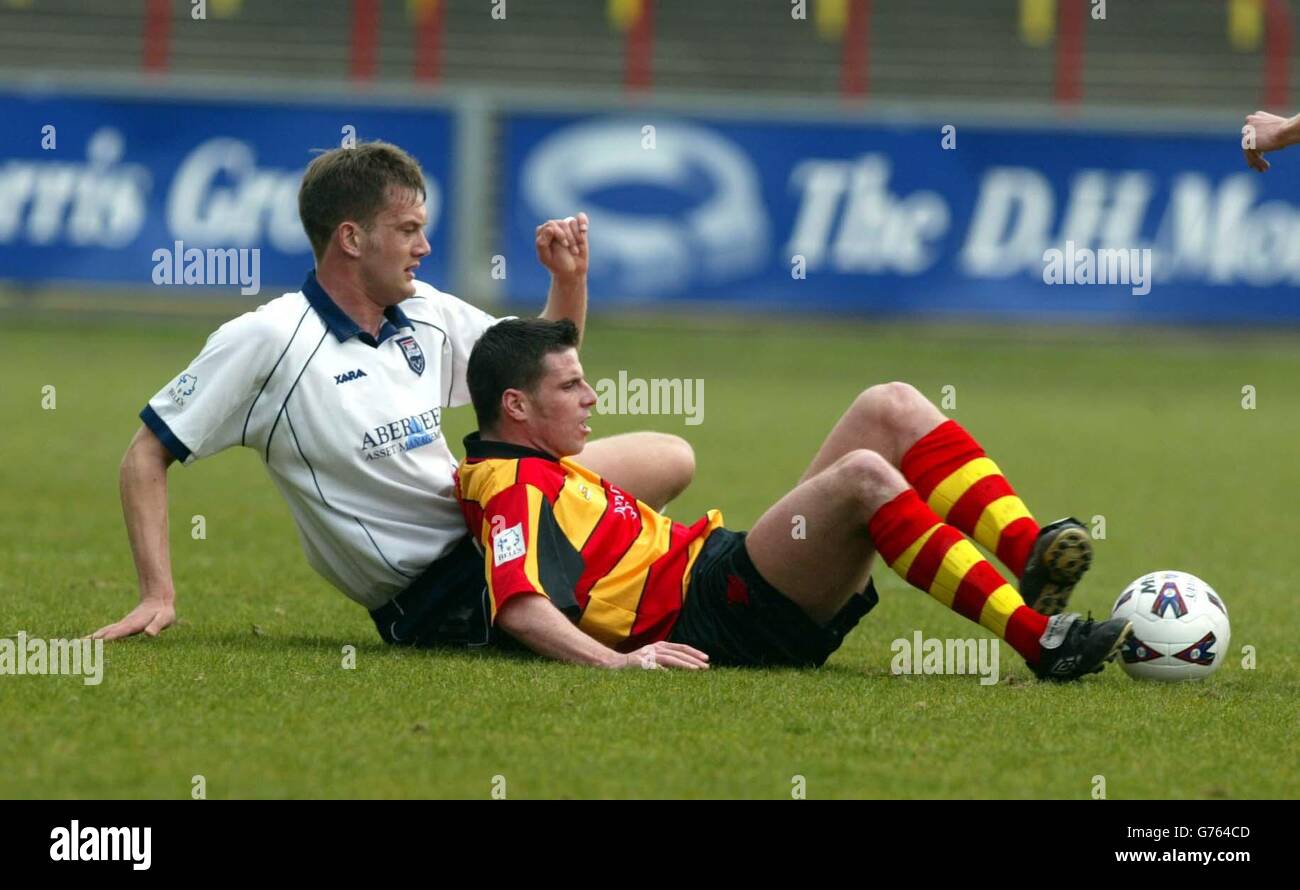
{"x":353,"y":183}
{"x":511,"y":355}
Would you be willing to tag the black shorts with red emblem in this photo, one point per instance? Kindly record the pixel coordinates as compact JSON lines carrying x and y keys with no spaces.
{"x":737,"y":618}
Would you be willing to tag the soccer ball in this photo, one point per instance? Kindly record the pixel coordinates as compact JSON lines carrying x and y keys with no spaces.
{"x":1180,"y":627}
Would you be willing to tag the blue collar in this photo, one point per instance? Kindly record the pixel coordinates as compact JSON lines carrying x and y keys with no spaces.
{"x":341,"y":324}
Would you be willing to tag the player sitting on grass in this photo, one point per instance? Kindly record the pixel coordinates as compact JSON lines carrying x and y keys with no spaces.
{"x":579,"y":570}
{"x":340,"y":388}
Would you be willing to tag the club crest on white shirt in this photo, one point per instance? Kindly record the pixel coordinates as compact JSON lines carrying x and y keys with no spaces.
{"x":183,"y":388}
{"x":414,"y":355}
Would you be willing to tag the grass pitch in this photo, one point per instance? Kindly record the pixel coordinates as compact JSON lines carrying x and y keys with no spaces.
{"x":1144,"y":429}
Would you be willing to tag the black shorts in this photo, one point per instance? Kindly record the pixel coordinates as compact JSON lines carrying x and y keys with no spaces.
{"x":735,"y":617}
{"x":446,"y":606}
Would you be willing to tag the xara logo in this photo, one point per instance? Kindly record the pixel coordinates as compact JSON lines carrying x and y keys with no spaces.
{"x":350,"y":375}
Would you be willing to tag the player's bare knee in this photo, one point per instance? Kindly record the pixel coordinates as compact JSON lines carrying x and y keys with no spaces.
{"x":867,"y":477}
{"x":860,"y":462}
{"x":889,"y":403}
{"x":901,"y":412}
{"x":678,"y":462}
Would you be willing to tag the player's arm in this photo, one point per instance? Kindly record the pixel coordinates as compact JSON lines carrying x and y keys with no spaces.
{"x":562,"y":248}
{"x":534,"y":621}
{"x":200,"y":413}
{"x":1265,"y":132}
{"x":142,"y":480}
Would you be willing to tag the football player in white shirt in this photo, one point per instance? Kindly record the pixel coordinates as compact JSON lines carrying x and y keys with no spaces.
{"x":340,"y":388}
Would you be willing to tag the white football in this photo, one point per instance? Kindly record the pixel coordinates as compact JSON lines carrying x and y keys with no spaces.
{"x":1180,"y":627}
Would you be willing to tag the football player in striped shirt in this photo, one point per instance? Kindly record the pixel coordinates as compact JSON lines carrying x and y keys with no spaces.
{"x":577,"y":569}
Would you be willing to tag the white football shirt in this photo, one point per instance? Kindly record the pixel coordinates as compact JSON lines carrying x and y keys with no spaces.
{"x":349,"y":426}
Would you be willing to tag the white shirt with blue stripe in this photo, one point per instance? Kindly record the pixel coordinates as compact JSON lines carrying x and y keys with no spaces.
{"x":349,"y":425}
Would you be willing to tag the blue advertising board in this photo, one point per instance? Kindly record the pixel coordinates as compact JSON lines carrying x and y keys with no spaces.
{"x":102,"y":189}
{"x":918,"y":219}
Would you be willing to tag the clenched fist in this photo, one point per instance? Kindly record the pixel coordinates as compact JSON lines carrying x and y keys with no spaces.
{"x":562,"y":246}
{"x":1266,"y":132}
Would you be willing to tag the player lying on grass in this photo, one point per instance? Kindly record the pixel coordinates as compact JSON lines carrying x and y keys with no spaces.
{"x":339,"y":388}
{"x":579,"y":570}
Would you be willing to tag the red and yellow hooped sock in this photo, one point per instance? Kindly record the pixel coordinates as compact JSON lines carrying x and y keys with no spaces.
{"x":936,"y":558}
{"x":951,"y":473}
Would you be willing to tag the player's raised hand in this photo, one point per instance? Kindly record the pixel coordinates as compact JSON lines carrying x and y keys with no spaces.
{"x":666,"y":655}
{"x":151,"y":617}
{"x":1265,"y":132}
{"x":562,"y":246}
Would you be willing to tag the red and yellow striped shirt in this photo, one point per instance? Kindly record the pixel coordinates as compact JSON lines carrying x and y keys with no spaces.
{"x":550,"y":526}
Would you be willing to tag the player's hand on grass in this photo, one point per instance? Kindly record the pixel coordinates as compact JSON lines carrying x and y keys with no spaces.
{"x":151,"y":616}
{"x":1265,"y":132}
{"x":665,"y":655}
{"x":562,"y":246}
